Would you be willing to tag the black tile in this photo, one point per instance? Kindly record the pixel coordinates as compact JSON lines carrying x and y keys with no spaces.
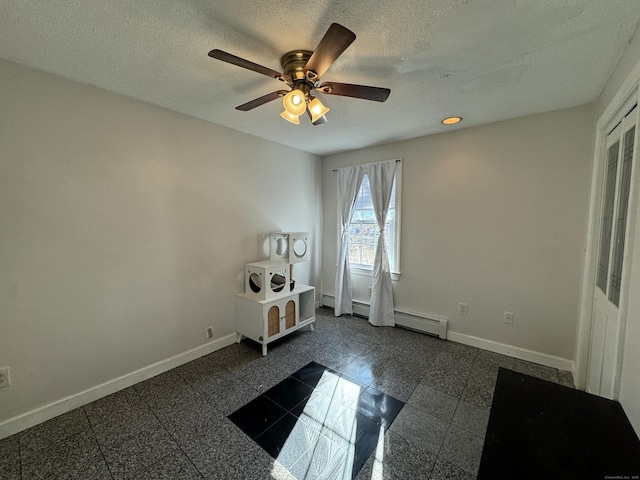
{"x":299,"y":409}
{"x":356,"y":434}
{"x":325,"y":460}
{"x":363,"y":385}
{"x":257,"y":415}
{"x":273,"y":439}
{"x":339,"y":387}
{"x":378,"y":406}
{"x":368,"y":434}
{"x":311,"y":373}
{"x":289,"y":393}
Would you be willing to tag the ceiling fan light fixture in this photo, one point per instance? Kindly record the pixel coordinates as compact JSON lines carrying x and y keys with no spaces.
{"x":294,"y":102}
{"x":302,"y":70}
{"x":317,"y":109}
{"x":290,"y":117}
{"x":451,"y":120}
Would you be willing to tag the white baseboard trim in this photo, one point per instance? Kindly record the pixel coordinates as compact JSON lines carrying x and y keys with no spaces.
{"x":517,"y":352}
{"x":420,"y":322}
{"x":34,"y":417}
{"x":359,"y":308}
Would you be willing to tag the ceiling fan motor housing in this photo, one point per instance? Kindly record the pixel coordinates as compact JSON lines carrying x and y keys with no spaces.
{"x":294,"y":63}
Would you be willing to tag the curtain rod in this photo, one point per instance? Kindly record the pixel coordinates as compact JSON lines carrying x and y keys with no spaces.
{"x":363,"y":164}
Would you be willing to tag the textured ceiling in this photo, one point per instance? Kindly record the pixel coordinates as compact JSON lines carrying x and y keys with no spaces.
{"x":486,"y":60}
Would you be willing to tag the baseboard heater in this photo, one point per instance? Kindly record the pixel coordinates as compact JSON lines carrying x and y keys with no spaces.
{"x":414,"y":321}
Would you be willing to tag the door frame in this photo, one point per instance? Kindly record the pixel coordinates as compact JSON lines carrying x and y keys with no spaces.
{"x":627,"y":95}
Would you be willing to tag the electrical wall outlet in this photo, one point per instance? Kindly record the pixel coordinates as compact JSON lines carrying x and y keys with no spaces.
{"x":369,"y":290}
{"x":463,"y":309}
{"x":508,"y":318}
{"x":5,"y":377}
{"x":209,"y":332}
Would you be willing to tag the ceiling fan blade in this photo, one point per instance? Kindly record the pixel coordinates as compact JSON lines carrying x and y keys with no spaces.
{"x":334,"y":42}
{"x":241,"y":62}
{"x":320,"y":121}
{"x":261,"y":100}
{"x":365,"y":92}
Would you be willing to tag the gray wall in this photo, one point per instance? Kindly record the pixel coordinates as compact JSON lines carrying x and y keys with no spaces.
{"x":124,"y":230}
{"x":492,"y":216}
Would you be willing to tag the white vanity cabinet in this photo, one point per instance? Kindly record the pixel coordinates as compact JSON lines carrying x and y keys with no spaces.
{"x":267,"y":320}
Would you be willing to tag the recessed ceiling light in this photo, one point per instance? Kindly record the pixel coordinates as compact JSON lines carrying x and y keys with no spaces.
{"x":451,"y":120}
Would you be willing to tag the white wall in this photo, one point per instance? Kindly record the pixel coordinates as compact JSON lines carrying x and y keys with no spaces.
{"x":493,"y":216}
{"x":124,"y":229}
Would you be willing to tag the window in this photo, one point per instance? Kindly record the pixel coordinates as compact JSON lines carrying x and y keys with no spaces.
{"x":363,"y":229}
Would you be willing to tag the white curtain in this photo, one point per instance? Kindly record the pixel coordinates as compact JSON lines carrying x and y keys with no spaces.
{"x":349,"y":180}
{"x":381,"y":179}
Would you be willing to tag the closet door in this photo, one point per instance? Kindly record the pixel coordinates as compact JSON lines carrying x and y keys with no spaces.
{"x":607,"y":324}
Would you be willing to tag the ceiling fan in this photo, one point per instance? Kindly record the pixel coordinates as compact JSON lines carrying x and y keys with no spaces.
{"x":302,"y":71}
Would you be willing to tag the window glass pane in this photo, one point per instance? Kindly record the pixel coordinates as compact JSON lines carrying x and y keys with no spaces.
{"x":607,"y":216}
{"x":621,"y":226}
{"x":363,"y":230}
{"x":368,"y":253}
{"x":368,"y":233}
{"x":364,"y":196}
{"x":355,"y":251}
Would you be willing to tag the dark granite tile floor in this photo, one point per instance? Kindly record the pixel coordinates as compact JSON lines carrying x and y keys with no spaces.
{"x":353,"y":421}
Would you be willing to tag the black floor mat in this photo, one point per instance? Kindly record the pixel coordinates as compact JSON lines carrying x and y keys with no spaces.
{"x":541,"y":430}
